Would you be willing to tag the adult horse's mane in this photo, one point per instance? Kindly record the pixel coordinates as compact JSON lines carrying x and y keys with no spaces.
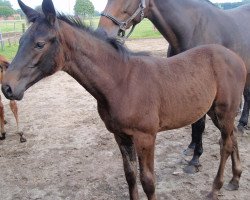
{"x":76,"y":22}
{"x":209,"y":2}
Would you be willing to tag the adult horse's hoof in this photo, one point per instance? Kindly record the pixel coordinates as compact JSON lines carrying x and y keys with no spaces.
{"x":241,"y":129}
{"x":3,"y":136}
{"x":232,"y":186}
{"x":212,"y":196}
{"x":192,"y":169}
{"x":188,"y":152}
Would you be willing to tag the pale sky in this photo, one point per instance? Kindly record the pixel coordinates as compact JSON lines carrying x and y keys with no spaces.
{"x":66,"y":6}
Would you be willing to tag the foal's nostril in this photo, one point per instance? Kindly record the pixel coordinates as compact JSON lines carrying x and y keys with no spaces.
{"x":7,"y":91}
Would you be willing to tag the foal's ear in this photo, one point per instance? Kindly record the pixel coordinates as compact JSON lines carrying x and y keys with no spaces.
{"x":30,"y":13}
{"x":49,"y":11}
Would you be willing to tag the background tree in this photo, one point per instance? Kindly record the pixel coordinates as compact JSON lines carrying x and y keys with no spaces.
{"x":20,"y":12}
{"x":6,"y":9}
{"x":5,"y":3}
{"x":84,"y":8}
{"x":226,"y":6}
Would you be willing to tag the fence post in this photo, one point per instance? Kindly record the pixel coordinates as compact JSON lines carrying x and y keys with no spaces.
{"x":1,"y":41}
{"x":23,"y":27}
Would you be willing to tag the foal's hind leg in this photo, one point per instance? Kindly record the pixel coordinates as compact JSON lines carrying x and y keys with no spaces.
{"x":14,"y":109}
{"x":127,"y":149}
{"x":145,"y":145}
{"x":236,"y":166}
{"x":225,"y":121}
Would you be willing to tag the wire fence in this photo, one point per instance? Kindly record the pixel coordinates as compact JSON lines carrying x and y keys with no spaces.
{"x":10,"y":32}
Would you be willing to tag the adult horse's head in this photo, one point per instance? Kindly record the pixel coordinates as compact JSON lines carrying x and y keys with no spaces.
{"x":38,"y":53}
{"x":120,"y":15}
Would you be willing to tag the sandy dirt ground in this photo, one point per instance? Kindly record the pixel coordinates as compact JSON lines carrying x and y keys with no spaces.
{"x":70,"y":155}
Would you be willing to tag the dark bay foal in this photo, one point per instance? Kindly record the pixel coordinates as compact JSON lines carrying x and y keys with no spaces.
{"x":137,"y":95}
{"x":13,"y":106}
{"x":186,"y":24}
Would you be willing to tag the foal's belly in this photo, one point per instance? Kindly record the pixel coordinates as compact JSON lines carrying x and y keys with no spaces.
{"x":187,"y":110}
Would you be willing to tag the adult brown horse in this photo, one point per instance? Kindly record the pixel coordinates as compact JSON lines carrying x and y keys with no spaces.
{"x":186,"y":24}
{"x":137,"y":95}
{"x":13,"y":106}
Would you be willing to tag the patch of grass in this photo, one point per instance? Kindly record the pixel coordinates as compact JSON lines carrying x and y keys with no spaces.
{"x":10,"y":26}
{"x":9,"y":51}
{"x":145,"y":29}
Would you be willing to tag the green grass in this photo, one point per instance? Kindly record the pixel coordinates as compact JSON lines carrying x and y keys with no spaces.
{"x":10,"y":26}
{"x":9,"y":51}
{"x":143,"y":30}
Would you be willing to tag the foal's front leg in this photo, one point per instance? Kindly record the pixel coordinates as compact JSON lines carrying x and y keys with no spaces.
{"x":145,"y":147}
{"x":3,"y":133}
{"x":14,"y":109}
{"x":127,"y":149}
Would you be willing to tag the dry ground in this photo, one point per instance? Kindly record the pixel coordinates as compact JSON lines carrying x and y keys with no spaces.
{"x":70,"y":155}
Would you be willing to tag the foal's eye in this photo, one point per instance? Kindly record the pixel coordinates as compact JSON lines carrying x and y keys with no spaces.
{"x":40,"y":45}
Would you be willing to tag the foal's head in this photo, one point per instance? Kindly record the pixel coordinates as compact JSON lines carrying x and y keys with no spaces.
{"x":4,"y":64}
{"x":121,"y":15}
{"x":39,"y":51}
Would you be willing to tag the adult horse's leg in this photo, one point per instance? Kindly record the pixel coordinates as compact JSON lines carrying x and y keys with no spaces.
{"x":127,"y":149}
{"x":3,"y":133}
{"x":145,"y":146}
{"x":245,"y":113}
{"x":170,"y":51}
{"x":195,"y":146}
{"x":14,"y":109}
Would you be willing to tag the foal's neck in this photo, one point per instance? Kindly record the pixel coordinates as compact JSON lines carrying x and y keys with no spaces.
{"x":176,"y":20}
{"x":94,"y":63}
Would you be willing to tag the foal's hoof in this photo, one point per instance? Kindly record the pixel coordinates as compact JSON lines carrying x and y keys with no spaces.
{"x":192,"y":169}
{"x":22,"y":139}
{"x":3,"y":136}
{"x":188,"y":152}
{"x":232,"y":186}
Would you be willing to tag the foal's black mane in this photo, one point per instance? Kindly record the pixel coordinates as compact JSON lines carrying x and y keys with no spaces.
{"x":76,"y":22}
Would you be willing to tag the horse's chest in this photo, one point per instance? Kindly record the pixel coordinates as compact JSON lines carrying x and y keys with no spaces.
{"x":111,"y":122}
